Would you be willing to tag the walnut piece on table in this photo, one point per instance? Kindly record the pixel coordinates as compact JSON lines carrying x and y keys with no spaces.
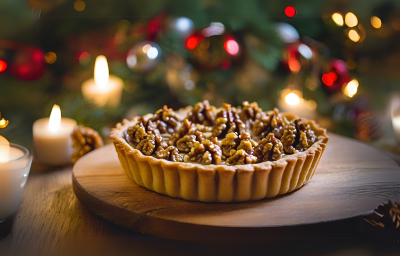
{"x":272,"y":121}
{"x":205,"y":152}
{"x":84,"y":140}
{"x":269,"y":149}
{"x":249,"y":113}
{"x":227,"y":121}
{"x":202,"y":113}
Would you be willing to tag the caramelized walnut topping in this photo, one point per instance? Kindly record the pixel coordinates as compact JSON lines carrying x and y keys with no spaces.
{"x":166,"y":120}
{"x":306,"y":135}
{"x":147,"y":145}
{"x":166,"y":152}
{"x":241,"y":157}
{"x":297,"y":136}
{"x":185,"y":128}
{"x":249,"y":113}
{"x":272,"y":121}
{"x":289,"y":138}
{"x":136,"y":133}
{"x":206,"y":152}
{"x":234,"y":142}
{"x":269,"y":149}
{"x":227,"y":121}
{"x":202,"y":113}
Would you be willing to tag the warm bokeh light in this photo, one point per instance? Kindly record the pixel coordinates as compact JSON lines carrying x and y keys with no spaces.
{"x":3,"y":65}
{"x":354,"y":36}
{"x":191,"y":43}
{"x":376,"y":22}
{"x":152,"y":53}
{"x":338,"y":18}
{"x":351,"y":64}
{"x":4,"y":150}
{"x":329,"y":78}
{"x":146,"y":48}
{"x":84,"y":58}
{"x":305,"y":51}
{"x":351,"y":88}
{"x":311,"y":104}
{"x":232,"y":47}
{"x":79,"y":5}
{"x":101,"y":75}
{"x":294,"y":65}
{"x":292,"y":99}
{"x":55,"y":119}
{"x":131,"y":60}
{"x":351,"y":20}
{"x":3,"y":122}
{"x":290,"y":11}
{"x":50,"y":57}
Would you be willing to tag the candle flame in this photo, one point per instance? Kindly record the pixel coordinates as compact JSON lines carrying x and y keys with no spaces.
{"x":101,"y":74}
{"x":3,"y":122}
{"x":4,"y":150}
{"x":292,"y":99}
{"x":55,"y":119}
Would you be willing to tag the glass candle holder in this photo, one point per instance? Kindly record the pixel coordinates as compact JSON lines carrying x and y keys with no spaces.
{"x":13,"y":176}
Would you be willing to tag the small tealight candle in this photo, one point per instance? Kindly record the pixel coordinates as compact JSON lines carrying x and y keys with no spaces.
{"x":293,"y":103}
{"x":104,"y":89}
{"x":15,"y":163}
{"x":52,"y":138}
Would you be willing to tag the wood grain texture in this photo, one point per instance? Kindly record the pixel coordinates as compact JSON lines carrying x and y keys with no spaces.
{"x":351,"y":180}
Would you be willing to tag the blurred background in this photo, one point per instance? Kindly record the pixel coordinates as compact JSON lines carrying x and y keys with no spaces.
{"x":335,"y":61}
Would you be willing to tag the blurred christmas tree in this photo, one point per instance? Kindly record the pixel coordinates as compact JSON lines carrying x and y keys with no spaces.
{"x":178,"y":53}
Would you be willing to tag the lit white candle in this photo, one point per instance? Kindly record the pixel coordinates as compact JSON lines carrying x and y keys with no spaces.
{"x":52,"y":138}
{"x":396,"y":126}
{"x":15,"y":164}
{"x":293,"y":103}
{"x":104,"y":88}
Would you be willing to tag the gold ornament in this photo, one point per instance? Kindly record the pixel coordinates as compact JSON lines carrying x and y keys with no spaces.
{"x":84,"y":140}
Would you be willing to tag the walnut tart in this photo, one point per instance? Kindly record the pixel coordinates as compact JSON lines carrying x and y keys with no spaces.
{"x":226,"y":154}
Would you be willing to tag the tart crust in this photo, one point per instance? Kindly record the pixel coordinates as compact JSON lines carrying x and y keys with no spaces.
{"x":219,"y":183}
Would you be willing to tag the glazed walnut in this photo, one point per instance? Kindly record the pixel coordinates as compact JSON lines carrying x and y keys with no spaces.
{"x":202,"y":113}
{"x":306,"y":135}
{"x":234,"y":142}
{"x":135,"y":134}
{"x":182,"y":131}
{"x":166,"y":152}
{"x":166,"y":120}
{"x":269,"y":149}
{"x":272,"y":121}
{"x":186,"y":142}
{"x":249,"y":113}
{"x":148,"y":144}
{"x":227,"y":121}
{"x":206,"y":152}
{"x":297,"y":136}
{"x":241,"y":157}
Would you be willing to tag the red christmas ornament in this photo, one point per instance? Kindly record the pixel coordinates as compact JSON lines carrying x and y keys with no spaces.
{"x":337,"y":75}
{"x":212,"y":47}
{"x":28,"y":64}
{"x":297,"y":56}
{"x":290,"y":11}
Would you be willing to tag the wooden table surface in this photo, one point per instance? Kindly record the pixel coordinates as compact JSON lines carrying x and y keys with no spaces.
{"x":52,"y":219}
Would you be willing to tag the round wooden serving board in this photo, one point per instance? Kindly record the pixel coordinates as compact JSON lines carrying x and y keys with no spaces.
{"x":352,"y":179}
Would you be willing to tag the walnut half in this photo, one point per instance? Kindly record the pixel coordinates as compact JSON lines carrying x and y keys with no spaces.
{"x":206,"y":152}
{"x":202,"y":113}
{"x":227,"y":121}
{"x":269,"y":149}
